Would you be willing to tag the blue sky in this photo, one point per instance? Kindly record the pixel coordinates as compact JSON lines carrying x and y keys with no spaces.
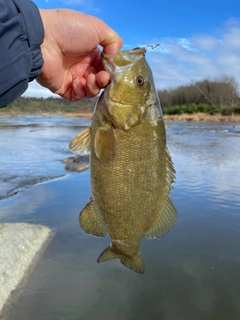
{"x":202,"y":37}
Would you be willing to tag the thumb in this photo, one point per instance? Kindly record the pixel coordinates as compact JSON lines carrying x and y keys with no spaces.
{"x":109,"y":39}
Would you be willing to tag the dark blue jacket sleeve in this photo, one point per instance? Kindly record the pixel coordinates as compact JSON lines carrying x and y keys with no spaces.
{"x":21,"y":35}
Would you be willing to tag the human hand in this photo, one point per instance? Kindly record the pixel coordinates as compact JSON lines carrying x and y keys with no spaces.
{"x":72,"y":60}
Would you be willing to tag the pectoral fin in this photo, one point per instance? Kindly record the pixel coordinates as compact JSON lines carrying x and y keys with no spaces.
{"x":81,"y":143}
{"x":91,"y":222}
{"x":165,"y":221}
{"x":105,"y":143}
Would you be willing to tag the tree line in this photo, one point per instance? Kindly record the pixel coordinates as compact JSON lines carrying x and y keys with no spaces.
{"x":50,"y":105}
{"x":222,"y":92}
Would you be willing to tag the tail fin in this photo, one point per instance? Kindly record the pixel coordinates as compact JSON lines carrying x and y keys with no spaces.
{"x":132,"y":262}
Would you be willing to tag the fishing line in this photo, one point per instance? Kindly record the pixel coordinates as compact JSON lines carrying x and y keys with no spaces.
{"x":159,"y":45}
{"x":152,"y":46}
{"x":192,"y":81}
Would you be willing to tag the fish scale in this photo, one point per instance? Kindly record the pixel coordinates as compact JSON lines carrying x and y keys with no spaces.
{"x":131,"y":170}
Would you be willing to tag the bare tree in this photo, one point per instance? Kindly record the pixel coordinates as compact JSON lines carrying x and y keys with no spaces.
{"x":223,"y":92}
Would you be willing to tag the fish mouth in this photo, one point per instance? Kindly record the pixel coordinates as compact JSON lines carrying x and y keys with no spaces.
{"x":112,"y":100}
{"x":119,"y":103}
{"x":127,"y":53}
{"x":119,"y":59}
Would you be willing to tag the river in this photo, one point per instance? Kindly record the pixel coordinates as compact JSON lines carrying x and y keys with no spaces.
{"x":192,"y":273}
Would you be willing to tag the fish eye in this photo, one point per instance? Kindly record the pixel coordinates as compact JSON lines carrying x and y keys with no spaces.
{"x":140,"y":81}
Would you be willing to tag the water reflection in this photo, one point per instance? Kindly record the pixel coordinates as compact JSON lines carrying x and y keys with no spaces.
{"x":192,"y":273}
{"x":32,"y":148}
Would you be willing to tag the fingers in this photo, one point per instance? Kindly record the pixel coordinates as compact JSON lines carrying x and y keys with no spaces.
{"x":92,"y":88}
{"x":89,"y":87}
{"x":96,"y":82}
{"x":78,"y":88}
{"x":75,"y":89}
{"x":102,"y":78}
{"x":72,"y":58}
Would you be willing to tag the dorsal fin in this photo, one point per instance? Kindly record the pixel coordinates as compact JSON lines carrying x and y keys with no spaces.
{"x":170,"y":176}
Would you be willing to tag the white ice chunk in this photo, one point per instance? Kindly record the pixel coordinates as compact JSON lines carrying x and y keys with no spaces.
{"x":19,"y":244}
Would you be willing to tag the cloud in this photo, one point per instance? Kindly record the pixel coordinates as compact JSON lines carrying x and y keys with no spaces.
{"x":199,"y":57}
{"x":205,"y":43}
{"x":35,"y":90}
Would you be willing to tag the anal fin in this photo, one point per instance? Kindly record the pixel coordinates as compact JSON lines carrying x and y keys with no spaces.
{"x":165,"y":221}
{"x":91,"y":223}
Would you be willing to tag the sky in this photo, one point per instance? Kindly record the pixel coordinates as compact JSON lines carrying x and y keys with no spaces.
{"x":198,"y":39}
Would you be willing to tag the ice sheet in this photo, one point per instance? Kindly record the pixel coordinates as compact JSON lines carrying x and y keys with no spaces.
{"x":19,"y":244}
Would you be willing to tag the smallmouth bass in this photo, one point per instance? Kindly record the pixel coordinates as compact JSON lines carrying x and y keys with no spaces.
{"x":130,"y":166}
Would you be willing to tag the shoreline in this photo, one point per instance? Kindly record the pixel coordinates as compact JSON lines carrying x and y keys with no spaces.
{"x":203,"y":117}
{"x":195,"y":117}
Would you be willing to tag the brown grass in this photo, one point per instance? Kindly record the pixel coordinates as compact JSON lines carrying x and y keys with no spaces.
{"x":65,"y":114}
{"x":202,"y":117}
{"x":195,"y":117}
{"x":78,"y":114}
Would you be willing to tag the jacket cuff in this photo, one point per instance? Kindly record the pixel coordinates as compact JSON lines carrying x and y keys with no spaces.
{"x":21,"y":35}
{"x":35,"y":33}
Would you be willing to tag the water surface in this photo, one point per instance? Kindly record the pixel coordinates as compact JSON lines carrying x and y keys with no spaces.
{"x":192,"y":273}
{"x":32,"y":148}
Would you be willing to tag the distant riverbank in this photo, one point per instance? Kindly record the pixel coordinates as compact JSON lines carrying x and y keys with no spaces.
{"x":194,"y":117}
{"x":202,"y":117}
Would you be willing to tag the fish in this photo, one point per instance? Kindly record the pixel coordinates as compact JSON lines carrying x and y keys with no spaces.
{"x":131,"y":170}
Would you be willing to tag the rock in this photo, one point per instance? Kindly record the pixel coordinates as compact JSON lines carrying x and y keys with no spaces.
{"x":78,"y":163}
